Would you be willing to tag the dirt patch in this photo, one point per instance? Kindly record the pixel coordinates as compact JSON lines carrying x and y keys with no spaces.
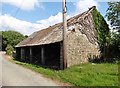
{"x":7,"y":57}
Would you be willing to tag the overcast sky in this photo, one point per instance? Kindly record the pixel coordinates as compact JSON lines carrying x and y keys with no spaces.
{"x":28,"y":16}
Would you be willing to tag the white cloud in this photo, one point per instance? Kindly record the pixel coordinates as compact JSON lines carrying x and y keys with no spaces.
{"x":51,"y":20}
{"x":23,"y":4}
{"x":84,"y":5}
{"x":8,"y":22}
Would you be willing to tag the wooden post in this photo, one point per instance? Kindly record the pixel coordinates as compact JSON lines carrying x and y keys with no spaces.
{"x":17,"y":54}
{"x":42,"y":56}
{"x":30,"y":54}
{"x":64,"y":33}
{"x":22,"y":54}
{"x":61,"y":57}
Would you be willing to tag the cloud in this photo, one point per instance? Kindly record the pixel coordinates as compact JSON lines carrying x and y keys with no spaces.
{"x":8,"y":22}
{"x":84,"y":5}
{"x":23,"y":4}
{"x":52,"y":20}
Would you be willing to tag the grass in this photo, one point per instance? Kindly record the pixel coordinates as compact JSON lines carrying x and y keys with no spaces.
{"x":104,"y":74}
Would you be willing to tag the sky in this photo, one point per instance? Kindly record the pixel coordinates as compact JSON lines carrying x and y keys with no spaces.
{"x":28,"y":16}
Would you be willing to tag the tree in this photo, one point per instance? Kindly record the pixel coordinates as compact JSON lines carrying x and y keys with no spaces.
{"x":114,"y":47}
{"x":11,"y":38}
{"x":113,"y":14}
{"x":9,"y":50}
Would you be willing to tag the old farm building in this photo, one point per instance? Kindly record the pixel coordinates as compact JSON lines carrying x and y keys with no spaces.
{"x":45,"y":47}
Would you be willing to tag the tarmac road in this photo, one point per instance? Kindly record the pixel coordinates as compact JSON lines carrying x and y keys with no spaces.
{"x":0,"y":71}
{"x":15,"y":75}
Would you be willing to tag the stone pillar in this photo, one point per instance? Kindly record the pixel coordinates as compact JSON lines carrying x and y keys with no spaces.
{"x":61,"y":57}
{"x":22,"y":54}
{"x":30,"y":54}
{"x":42,"y":56}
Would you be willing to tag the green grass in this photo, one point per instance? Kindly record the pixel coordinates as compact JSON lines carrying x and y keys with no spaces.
{"x":104,"y":74}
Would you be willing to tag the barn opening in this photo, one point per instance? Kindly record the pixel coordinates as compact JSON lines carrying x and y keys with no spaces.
{"x":48,"y":55}
{"x":52,"y":55}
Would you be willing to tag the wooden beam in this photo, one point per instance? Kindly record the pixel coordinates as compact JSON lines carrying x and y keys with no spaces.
{"x":42,"y":56}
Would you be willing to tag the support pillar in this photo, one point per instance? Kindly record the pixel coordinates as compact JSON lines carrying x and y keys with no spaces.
{"x":42,"y":56}
{"x":30,"y":54}
{"x":61,"y":57}
{"x":18,"y":54}
{"x":22,"y":54}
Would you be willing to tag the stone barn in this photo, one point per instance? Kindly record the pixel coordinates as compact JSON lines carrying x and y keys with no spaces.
{"x":45,"y":47}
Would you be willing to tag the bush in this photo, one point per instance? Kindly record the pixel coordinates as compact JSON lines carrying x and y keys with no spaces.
{"x":9,"y":50}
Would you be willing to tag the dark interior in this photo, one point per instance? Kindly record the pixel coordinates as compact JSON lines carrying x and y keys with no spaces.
{"x":51,"y":55}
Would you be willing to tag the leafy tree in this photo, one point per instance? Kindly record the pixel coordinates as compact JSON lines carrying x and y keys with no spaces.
{"x":11,"y":38}
{"x":9,"y":50}
{"x":113,"y":14}
{"x":109,"y":42}
{"x":113,"y":47}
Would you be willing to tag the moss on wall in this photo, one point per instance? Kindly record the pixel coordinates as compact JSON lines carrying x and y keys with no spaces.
{"x":102,"y":29}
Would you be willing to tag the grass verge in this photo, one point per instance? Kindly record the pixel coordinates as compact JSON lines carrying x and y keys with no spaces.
{"x":104,"y":74}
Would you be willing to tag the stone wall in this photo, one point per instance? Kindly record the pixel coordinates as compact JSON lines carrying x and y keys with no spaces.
{"x":81,"y":42}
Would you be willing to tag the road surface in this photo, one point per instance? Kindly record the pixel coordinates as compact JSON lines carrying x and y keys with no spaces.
{"x":0,"y":71}
{"x":15,"y":75}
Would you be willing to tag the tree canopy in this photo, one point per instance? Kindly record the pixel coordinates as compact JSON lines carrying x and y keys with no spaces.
{"x":113,"y":14}
{"x":11,"y":38}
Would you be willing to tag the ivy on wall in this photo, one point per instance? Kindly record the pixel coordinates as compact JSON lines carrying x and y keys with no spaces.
{"x":102,"y":29}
